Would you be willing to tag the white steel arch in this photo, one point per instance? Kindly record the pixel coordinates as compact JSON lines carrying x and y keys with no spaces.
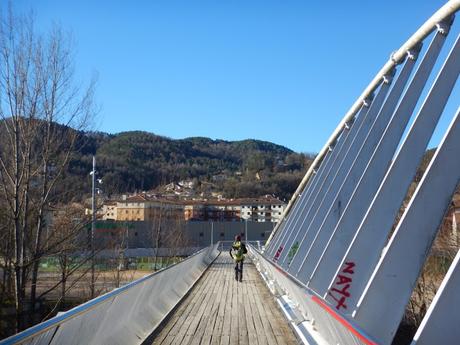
{"x":329,"y":256}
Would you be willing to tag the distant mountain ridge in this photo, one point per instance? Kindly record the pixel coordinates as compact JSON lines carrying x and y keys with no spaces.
{"x":139,"y":160}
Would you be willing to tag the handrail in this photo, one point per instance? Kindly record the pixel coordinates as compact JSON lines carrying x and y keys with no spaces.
{"x":337,"y":320}
{"x":89,"y":305}
{"x":282,"y":271}
{"x":445,"y":13}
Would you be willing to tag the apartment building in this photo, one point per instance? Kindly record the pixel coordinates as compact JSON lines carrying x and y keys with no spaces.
{"x":109,"y":210}
{"x":264,"y":209}
{"x":141,"y":208}
{"x":215,"y":210}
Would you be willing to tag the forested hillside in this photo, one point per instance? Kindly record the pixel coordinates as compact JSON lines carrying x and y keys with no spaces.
{"x":136,"y":161}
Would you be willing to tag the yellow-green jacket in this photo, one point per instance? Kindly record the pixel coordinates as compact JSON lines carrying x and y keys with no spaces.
{"x":236,"y":252}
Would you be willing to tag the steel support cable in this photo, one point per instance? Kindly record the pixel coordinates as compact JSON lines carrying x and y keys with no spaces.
{"x":444,"y":13}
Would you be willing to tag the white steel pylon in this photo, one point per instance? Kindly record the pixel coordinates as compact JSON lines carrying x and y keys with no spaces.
{"x":332,"y":243}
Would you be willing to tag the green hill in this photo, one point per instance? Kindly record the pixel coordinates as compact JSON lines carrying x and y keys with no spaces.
{"x":135,"y":161}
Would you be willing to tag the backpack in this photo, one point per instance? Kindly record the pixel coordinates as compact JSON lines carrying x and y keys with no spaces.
{"x":243,"y":248}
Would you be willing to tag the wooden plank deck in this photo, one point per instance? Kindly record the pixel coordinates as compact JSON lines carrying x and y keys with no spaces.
{"x":220,"y":310}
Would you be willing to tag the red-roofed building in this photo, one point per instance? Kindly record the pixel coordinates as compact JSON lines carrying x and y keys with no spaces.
{"x":141,"y":208}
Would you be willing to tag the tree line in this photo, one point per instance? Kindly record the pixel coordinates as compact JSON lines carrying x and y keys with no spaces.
{"x":142,"y":161}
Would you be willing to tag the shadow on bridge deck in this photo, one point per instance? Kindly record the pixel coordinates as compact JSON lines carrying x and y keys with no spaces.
{"x":220,"y":310}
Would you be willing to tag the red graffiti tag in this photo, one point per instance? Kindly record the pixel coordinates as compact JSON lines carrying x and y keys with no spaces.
{"x":339,"y":292}
{"x":278,"y":253}
{"x":349,"y":268}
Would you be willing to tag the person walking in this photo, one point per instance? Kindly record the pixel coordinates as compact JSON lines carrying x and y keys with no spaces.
{"x":237,"y":252}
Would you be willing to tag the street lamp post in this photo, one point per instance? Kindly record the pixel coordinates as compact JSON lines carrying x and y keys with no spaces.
{"x":212,"y":233}
{"x":246,"y":230}
{"x":93,"y":224}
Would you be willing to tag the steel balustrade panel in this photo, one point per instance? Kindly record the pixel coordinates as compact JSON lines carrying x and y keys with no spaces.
{"x":382,"y":305}
{"x":380,"y":216}
{"x":128,"y":319}
{"x":440,"y":324}
{"x":400,"y":173}
{"x":124,"y":316}
{"x":83,"y":328}
{"x":341,"y":146}
{"x":355,"y":142}
{"x":44,"y":338}
{"x":327,"y":326}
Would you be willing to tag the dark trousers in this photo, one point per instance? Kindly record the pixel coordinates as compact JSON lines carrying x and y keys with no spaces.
{"x":239,"y":270}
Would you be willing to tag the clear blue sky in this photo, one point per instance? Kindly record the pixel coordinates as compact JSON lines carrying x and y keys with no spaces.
{"x":281,"y":71}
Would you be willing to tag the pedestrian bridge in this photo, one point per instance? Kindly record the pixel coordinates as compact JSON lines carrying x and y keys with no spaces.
{"x":342,"y":264}
{"x":220,"y":310}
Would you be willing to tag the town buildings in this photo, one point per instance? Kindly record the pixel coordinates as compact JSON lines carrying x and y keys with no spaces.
{"x":144,"y":220}
{"x":218,"y":210}
{"x":109,"y":210}
{"x":141,"y":207}
{"x":266,"y":209}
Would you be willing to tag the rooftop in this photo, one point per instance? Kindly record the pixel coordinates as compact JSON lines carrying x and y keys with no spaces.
{"x":141,"y":198}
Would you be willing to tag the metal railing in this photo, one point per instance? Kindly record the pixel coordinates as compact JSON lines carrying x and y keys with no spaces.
{"x":226,"y":245}
{"x":328,"y":326}
{"x":126,"y":315}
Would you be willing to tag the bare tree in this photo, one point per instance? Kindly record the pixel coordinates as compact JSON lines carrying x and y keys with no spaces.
{"x":438,"y":261}
{"x":41,"y":111}
{"x":65,"y":240}
{"x":167,"y":231}
{"x":118,"y":244}
{"x":176,"y":238}
{"x":157,"y":225}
